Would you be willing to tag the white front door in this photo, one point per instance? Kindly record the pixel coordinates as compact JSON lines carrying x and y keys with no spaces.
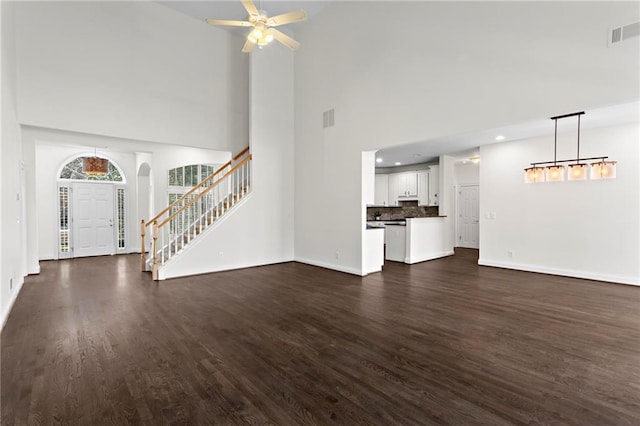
{"x":468,"y":216}
{"x":93,"y":232}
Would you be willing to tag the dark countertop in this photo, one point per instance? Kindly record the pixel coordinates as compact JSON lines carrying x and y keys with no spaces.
{"x":425,"y":217}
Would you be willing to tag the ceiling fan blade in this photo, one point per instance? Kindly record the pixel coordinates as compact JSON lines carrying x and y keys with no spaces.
{"x":251,"y":7}
{"x":248,"y":46}
{"x":284,"y":39}
{"x":229,"y":23}
{"x":287,"y":18}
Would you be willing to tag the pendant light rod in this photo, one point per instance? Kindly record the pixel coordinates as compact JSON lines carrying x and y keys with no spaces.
{"x":578,"y":153}
{"x":573,"y":114}
{"x":569,"y":161}
{"x":555,"y":141}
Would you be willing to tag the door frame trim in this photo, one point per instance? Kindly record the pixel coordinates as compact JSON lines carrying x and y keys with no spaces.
{"x":68,"y":183}
{"x":457,"y":189}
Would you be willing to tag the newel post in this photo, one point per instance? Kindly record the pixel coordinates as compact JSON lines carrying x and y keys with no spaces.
{"x":143,"y":231}
{"x":154,"y":266}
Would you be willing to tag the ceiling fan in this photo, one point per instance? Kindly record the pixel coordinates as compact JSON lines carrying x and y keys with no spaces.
{"x":263,"y":31}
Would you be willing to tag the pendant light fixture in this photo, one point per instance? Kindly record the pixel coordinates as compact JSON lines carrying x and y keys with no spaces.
{"x":555,"y":172}
{"x":603,"y":169}
{"x":95,"y":165}
{"x":578,"y":170}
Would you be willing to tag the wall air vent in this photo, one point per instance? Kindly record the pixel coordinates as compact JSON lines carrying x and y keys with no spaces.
{"x":328,"y":118}
{"x":616,"y":35}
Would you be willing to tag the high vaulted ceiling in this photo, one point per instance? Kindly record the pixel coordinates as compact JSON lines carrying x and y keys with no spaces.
{"x":234,"y":10}
{"x":459,"y":145}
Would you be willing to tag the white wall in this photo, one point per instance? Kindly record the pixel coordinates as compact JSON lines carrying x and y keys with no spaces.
{"x":135,"y":70}
{"x":447,"y":200}
{"x":260,"y":230}
{"x":586,"y":229}
{"x":436,"y":69}
{"x":368,"y":180}
{"x":12,"y":233}
{"x":144,"y":186}
{"x":467,"y":173}
{"x":52,"y":149}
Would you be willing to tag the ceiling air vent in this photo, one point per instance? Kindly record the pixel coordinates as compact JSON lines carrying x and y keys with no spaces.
{"x":616,"y":35}
{"x":328,"y":119}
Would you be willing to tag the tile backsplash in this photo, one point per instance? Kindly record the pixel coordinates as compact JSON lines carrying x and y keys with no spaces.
{"x":406,"y":209}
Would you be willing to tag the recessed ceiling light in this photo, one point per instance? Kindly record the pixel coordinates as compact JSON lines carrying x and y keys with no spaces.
{"x":378,"y":160}
{"x":500,"y":137}
{"x":398,"y":163}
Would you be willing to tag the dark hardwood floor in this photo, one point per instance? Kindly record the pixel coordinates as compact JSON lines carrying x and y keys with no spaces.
{"x":94,"y":341}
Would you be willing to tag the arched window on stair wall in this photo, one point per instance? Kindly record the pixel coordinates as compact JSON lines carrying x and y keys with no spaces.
{"x":181,"y":180}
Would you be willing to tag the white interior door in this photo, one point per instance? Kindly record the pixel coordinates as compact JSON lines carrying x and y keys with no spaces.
{"x":468,"y":216}
{"x":93,"y":232}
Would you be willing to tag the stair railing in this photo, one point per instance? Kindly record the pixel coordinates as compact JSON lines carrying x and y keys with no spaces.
{"x":178,"y":204}
{"x":171,"y":235}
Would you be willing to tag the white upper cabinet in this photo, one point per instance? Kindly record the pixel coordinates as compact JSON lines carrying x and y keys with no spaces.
{"x":394,"y":187}
{"x":381,"y":196}
{"x":408,"y":185}
{"x":434,"y":182}
{"x":423,"y":188}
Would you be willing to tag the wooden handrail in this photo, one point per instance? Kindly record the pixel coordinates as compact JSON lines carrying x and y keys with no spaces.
{"x":195,"y":188}
{"x":196,"y":198}
{"x":241,"y":153}
{"x":191,"y":191}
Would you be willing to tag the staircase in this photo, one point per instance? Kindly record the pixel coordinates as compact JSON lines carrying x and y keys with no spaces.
{"x":181,"y":222}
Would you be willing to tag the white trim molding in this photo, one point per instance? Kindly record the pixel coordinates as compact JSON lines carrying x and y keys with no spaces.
{"x":431,"y":256}
{"x":617,"y":279}
{"x":339,"y":268}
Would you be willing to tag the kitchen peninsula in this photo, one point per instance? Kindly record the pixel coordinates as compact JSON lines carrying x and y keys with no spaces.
{"x":417,"y":240}
{"x":412,"y":233}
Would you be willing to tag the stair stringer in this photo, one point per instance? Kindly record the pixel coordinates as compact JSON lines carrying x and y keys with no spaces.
{"x":229,"y":243}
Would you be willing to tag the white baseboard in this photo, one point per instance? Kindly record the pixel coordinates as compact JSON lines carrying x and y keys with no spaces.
{"x":163,"y":276}
{"x":428,"y":257}
{"x":338,"y":268}
{"x":12,"y":301}
{"x":563,"y":272}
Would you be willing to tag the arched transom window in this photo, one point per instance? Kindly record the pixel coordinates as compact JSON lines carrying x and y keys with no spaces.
{"x":73,"y":170}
